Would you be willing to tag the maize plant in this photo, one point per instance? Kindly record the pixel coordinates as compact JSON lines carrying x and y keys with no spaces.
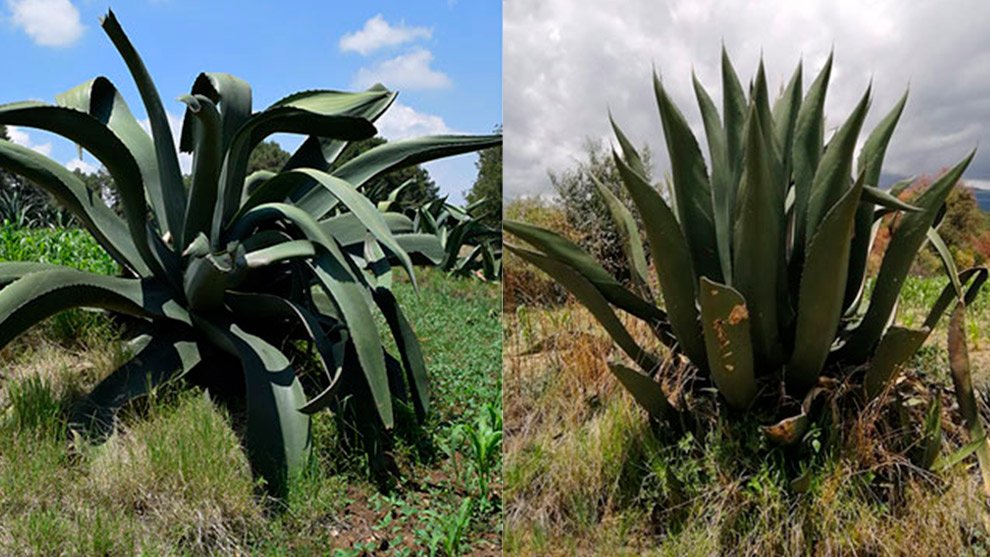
{"x":760,"y":258}
{"x":225,"y":279}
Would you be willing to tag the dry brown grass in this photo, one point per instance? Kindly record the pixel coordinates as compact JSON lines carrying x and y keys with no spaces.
{"x":584,"y":474}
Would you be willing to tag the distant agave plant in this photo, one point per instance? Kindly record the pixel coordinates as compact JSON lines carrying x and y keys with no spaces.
{"x":455,"y":228}
{"x":761,"y":261}
{"x":226,"y":276}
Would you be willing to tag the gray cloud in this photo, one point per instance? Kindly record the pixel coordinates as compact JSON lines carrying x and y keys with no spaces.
{"x":566,"y":63}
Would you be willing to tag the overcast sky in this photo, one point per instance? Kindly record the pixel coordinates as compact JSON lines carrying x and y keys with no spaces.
{"x":565,"y":63}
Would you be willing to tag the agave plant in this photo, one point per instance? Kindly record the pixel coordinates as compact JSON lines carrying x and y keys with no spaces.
{"x":225,"y":277}
{"x":761,"y":261}
{"x":457,"y":228}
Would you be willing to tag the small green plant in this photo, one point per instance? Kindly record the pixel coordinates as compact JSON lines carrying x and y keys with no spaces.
{"x":448,"y":532}
{"x":223,"y":278}
{"x":484,"y":442}
{"x":761,"y":259}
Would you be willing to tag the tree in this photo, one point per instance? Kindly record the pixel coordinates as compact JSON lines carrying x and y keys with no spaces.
{"x":488,"y":184}
{"x":421,"y":191}
{"x":268,"y":155}
{"x":586,"y":210}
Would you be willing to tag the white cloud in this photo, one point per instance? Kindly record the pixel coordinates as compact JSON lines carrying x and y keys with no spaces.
{"x":401,"y":121}
{"x":79,"y":164}
{"x":23,"y":138}
{"x":378,"y":33}
{"x":566,"y":63}
{"x":48,"y":22}
{"x":406,"y":71}
{"x":175,"y":125}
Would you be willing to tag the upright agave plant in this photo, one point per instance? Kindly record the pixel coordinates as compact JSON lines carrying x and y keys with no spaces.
{"x":225,"y":277}
{"x":761,"y":261}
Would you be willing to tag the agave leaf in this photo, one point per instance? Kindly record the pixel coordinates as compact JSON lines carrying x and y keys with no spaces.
{"x":324,"y":113}
{"x":422,"y":248}
{"x":409,"y":350}
{"x":831,"y":179}
{"x":102,"y":223}
{"x":294,"y":249}
{"x":13,"y":270}
{"x":278,"y":435}
{"x":392,"y":156}
{"x":785,"y":112}
{"x":808,"y":142}
{"x":347,"y":229}
{"x":734,"y":113}
{"x":931,"y":435}
{"x":39,"y":295}
{"x":343,"y":286}
{"x":645,"y":391}
{"x":359,"y":205}
{"x":758,"y":245}
{"x":171,"y":190}
{"x":909,"y":236}
{"x":871,"y":161}
{"x":965,"y":395}
{"x":978,"y":275}
{"x":322,"y":152}
{"x":672,"y":260}
{"x":895,"y":348}
{"x":822,"y":291}
{"x":101,"y":100}
{"x":723,"y":178}
{"x":264,"y":310}
{"x":947,"y":260}
{"x":565,"y":251}
{"x":231,"y":95}
{"x":725,"y":321}
{"x":163,"y":358}
{"x":693,"y":200}
{"x":92,"y":135}
{"x":761,"y":100}
{"x":207,"y":158}
{"x":590,"y":297}
{"x":876,"y":196}
{"x":942,"y":464}
{"x":629,"y":152}
{"x":632,"y":244}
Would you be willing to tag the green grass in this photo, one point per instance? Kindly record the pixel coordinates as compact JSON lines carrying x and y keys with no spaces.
{"x":585,"y":473}
{"x":174,"y":480}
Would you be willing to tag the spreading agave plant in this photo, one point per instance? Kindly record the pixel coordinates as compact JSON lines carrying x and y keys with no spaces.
{"x":761,"y":261}
{"x":225,"y":280}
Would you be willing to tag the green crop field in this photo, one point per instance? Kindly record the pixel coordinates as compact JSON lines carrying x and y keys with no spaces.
{"x":173,"y":478}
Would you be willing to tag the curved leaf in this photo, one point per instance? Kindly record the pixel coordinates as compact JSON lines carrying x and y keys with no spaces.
{"x":39,"y":295}
{"x":590,"y":297}
{"x":395,"y":155}
{"x":172,"y":190}
{"x":104,"y":225}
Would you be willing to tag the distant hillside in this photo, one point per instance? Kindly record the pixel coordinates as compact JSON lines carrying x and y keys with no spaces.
{"x":982,"y":199}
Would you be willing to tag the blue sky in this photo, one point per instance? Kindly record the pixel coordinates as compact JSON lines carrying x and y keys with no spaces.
{"x":444,"y":56}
